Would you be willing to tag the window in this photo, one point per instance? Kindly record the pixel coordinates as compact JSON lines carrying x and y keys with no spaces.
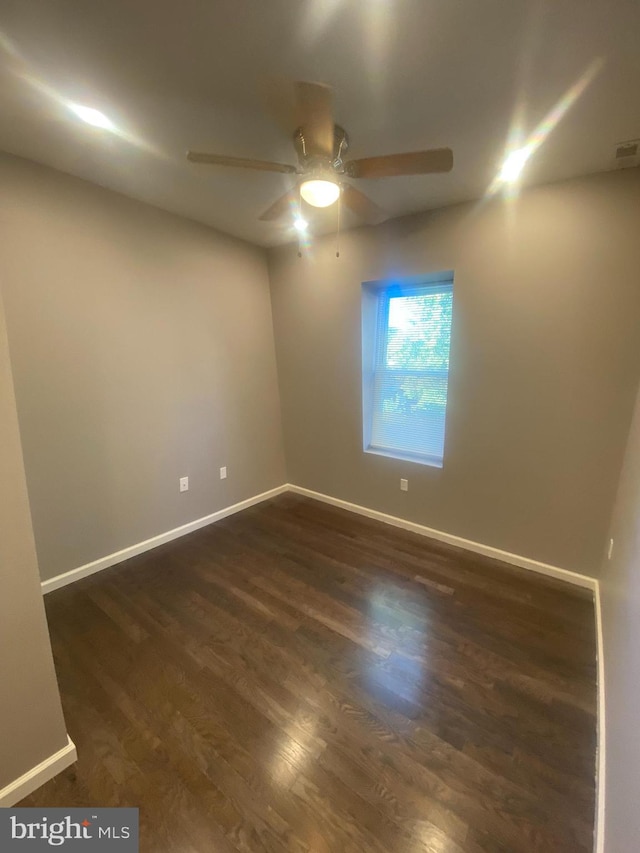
{"x":406,"y":335}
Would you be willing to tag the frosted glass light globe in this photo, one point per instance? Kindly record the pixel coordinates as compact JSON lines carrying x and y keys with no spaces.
{"x":319,"y":193}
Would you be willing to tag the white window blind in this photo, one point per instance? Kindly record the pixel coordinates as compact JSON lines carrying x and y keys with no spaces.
{"x":407,"y":386}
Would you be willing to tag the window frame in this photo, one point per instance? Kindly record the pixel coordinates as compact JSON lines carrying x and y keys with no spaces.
{"x":376,"y":296}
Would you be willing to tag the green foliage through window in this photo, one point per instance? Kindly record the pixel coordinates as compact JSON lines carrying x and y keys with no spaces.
{"x":417,"y":350}
{"x":405,"y":396}
{"x":419,"y":330}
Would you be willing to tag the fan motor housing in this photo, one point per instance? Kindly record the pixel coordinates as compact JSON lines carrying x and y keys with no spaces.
{"x":340,"y":147}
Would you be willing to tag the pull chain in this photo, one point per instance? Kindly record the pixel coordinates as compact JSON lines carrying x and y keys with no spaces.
{"x":339,"y":220}
{"x":300,"y":213}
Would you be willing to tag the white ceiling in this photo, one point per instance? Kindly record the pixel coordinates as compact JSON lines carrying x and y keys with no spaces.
{"x":408,"y":74}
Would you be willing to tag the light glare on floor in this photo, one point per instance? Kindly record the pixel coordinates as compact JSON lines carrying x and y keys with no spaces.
{"x":92,"y":117}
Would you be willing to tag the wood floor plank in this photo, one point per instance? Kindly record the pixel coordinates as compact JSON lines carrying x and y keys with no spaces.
{"x":299,"y":678}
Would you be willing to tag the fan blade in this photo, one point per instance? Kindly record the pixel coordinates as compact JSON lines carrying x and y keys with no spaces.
{"x":362,"y":205}
{"x":412,"y":163}
{"x":278,"y":97}
{"x":217,"y":160}
{"x":283,"y":205}
{"x":314,"y":112}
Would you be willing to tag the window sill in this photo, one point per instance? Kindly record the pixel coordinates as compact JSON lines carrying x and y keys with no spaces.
{"x":431,"y":461}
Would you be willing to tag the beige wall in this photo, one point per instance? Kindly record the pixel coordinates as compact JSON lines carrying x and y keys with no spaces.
{"x":142,"y":348}
{"x":31,"y":723}
{"x":545,"y":361}
{"x":620,"y":594}
{"x":142,"y":351}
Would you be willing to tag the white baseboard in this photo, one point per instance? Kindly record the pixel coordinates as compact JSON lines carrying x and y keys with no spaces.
{"x":38,"y":775}
{"x":450,"y":539}
{"x":119,"y":556}
{"x":476,"y":547}
{"x":601,"y":759}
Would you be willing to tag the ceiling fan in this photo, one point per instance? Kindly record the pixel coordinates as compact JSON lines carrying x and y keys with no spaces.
{"x":321,"y":145}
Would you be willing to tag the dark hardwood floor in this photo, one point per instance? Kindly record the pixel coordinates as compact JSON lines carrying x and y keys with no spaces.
{"x":299,"y":678}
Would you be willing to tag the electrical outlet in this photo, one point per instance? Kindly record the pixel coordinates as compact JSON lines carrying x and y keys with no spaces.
{"x":223,"y":473}
{"x":184,"y":484}
{"x":404,"y":485}
{"x":610,"y":551}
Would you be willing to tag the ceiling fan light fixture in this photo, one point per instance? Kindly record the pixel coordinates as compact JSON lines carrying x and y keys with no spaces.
{"x":319,"y":192}
{"x":320,"y":145}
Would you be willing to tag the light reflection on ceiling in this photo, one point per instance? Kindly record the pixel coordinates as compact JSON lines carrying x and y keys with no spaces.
{"x":518,"y":153}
